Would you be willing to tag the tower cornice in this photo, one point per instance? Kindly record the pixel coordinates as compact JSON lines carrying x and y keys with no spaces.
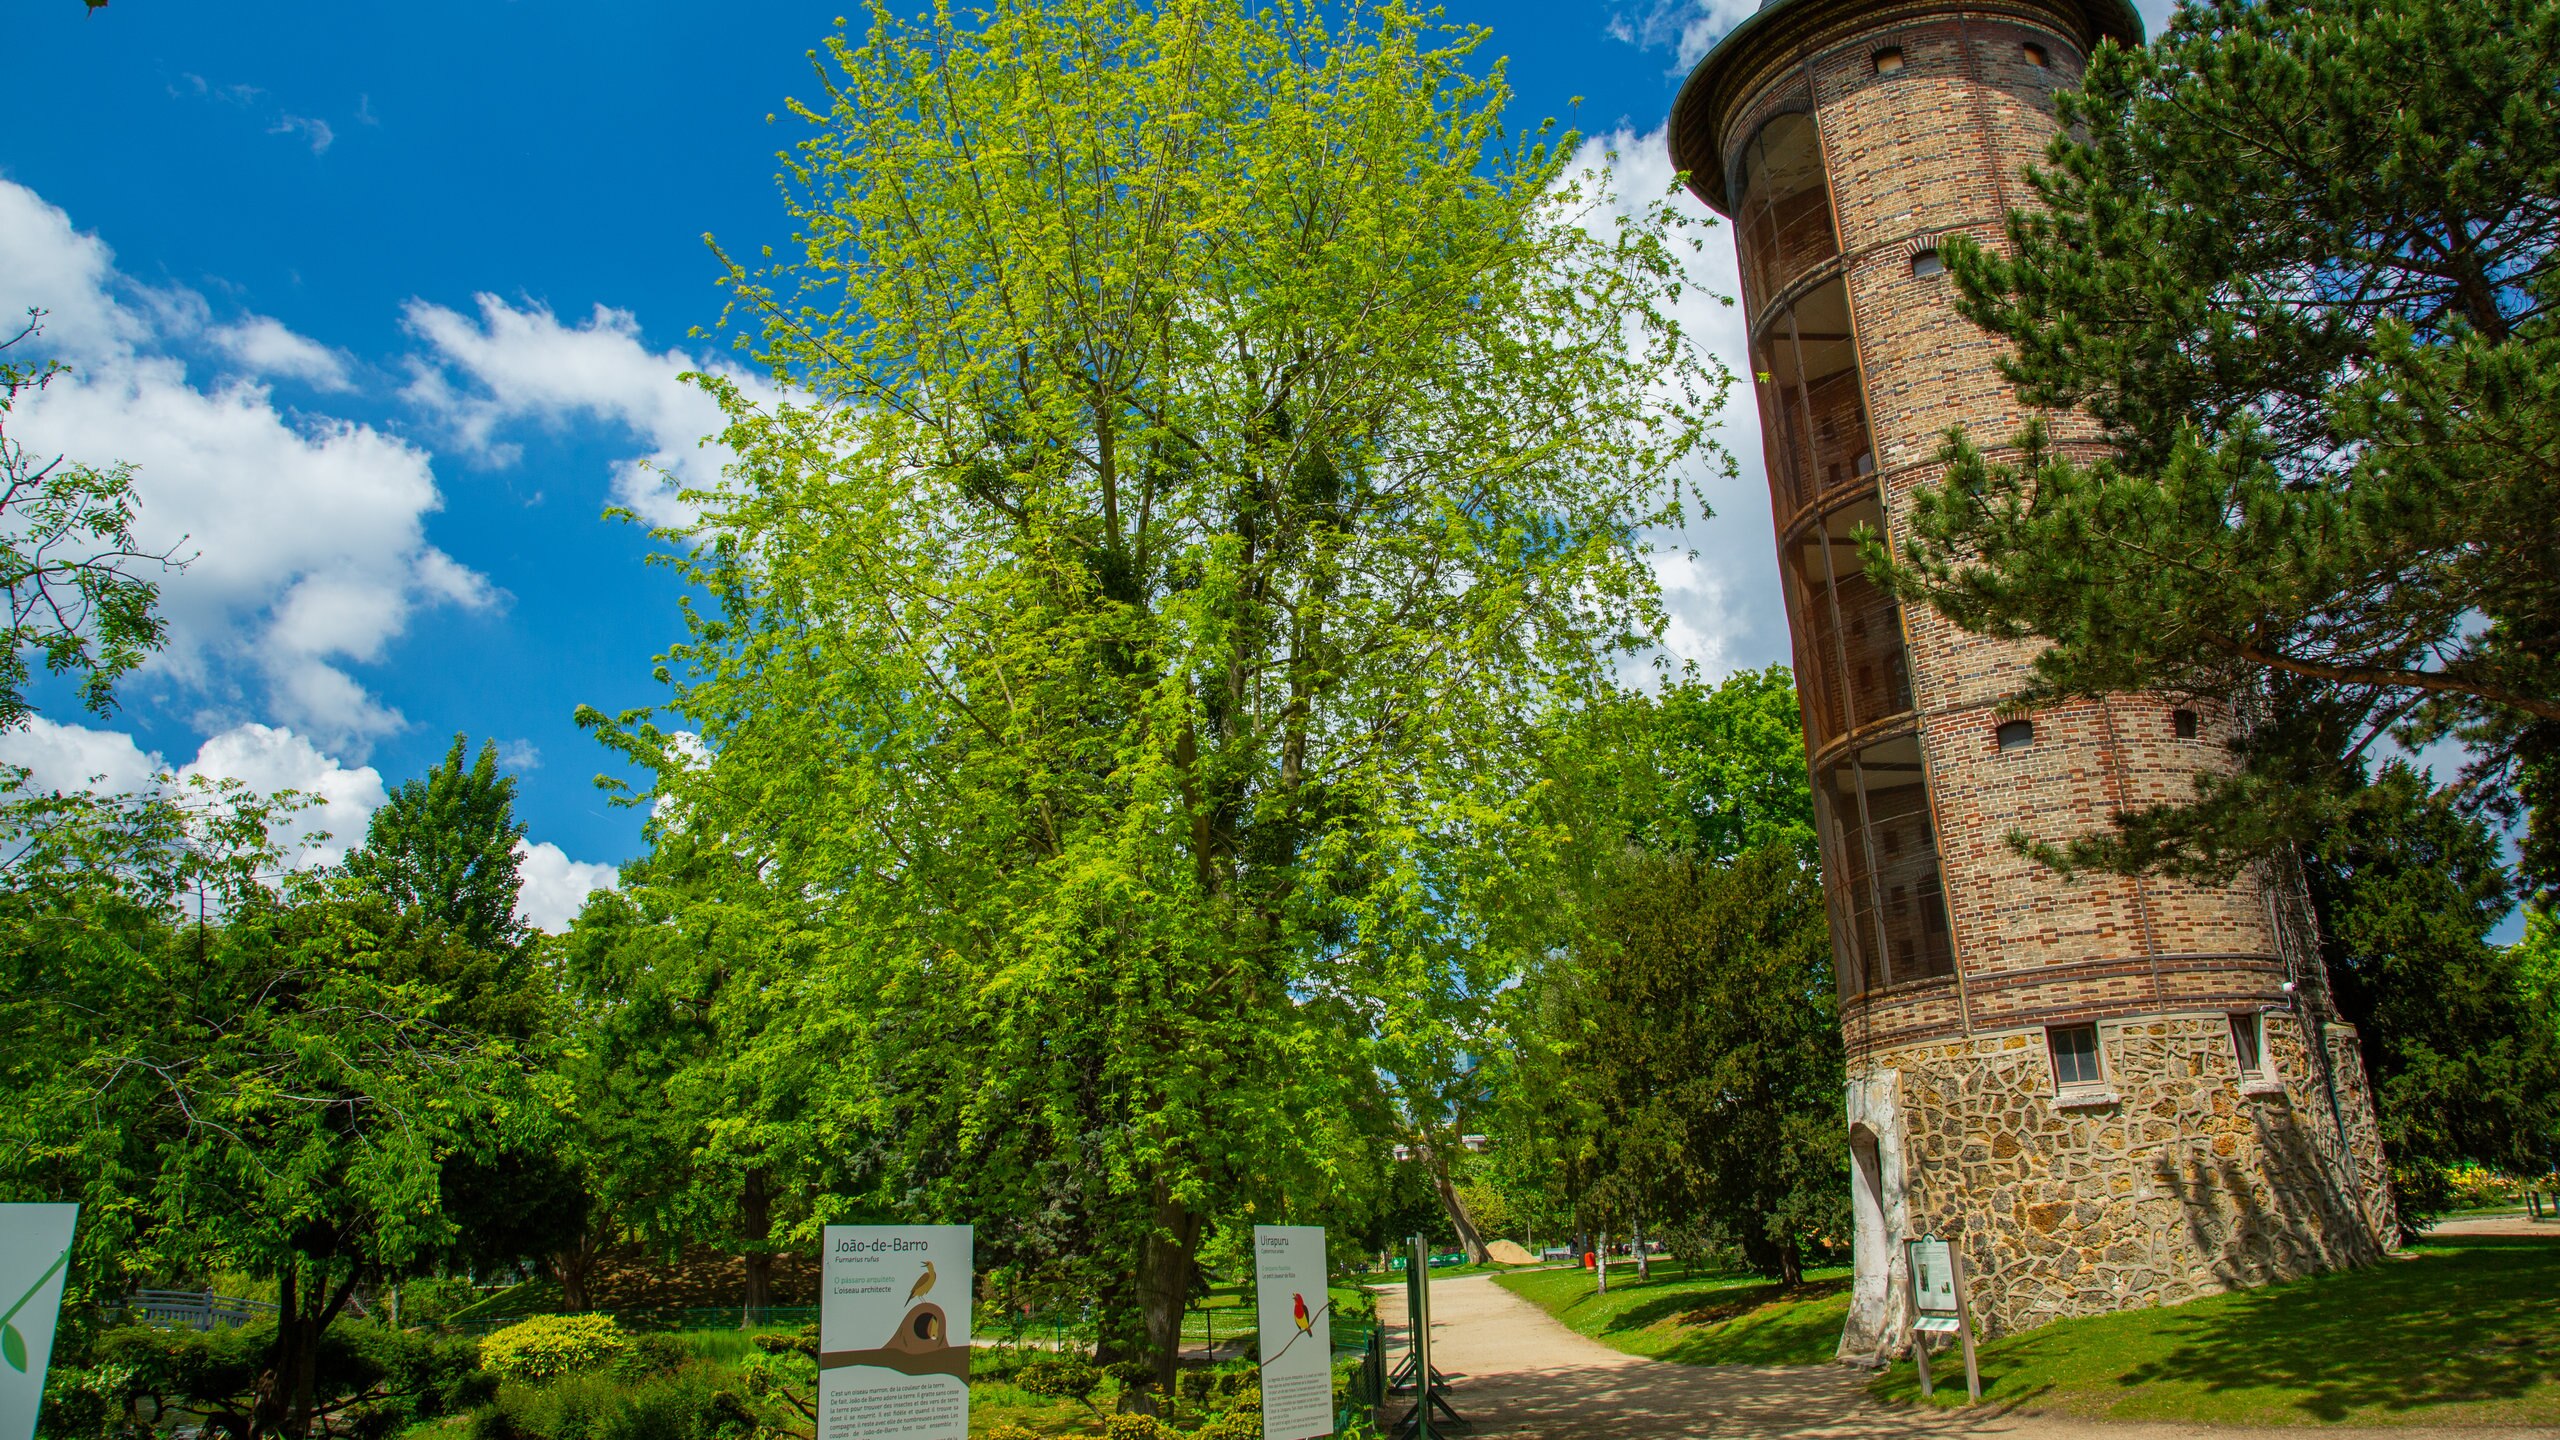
{"x":1795,"y":27}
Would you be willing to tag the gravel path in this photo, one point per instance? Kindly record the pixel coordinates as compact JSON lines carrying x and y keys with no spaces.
{"x":1517,"y":1374}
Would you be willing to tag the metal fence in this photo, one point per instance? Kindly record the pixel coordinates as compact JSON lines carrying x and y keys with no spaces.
{"x":193,"y":1309}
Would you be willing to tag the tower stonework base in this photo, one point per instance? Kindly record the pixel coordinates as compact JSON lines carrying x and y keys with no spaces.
{"x":2109,"y":1093}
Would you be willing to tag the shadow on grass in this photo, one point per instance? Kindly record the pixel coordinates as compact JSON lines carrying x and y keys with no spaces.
{"x":2468,"y":1321}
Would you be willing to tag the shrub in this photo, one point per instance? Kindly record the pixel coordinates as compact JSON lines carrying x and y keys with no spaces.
{"x":1239,"y":1424}
{"x":547,"y":1347}
{"x":598,"y":1406}
{"x":1011,"y":1431}
{"x":1138,"y":1427}
{"x":1068,"y":1377}
{"x":654,"y":1354}
{"x":410,"y":1376}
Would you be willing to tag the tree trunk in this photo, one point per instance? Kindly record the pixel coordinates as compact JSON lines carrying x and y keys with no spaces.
{"x":1644,"y":1266}
{"x":1164,"y":1287}
{"x":1600,"y":1266}
{"x":288,"y":1393}
{"x":1790,"y":1264}
{"x":1469,"y":1238}
{"x":755,"y":1224}
{"x":574,"y":1267}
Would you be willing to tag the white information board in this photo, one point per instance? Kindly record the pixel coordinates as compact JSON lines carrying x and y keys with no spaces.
{"x":1297,"y":1331}
{"x":893,"y":1332}
{"x":1933,"y":1279}
{"x":35,"y":1258}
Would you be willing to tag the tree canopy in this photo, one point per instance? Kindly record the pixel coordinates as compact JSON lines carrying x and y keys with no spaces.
{"x":1213,"y":447}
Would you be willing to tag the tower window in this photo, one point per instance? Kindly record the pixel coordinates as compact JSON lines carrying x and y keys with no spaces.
{"x":2249,"y":1044}
{"x":2036,"y":56}
{"x":1928,"y":262}
{"x":2182,"y":723}
{"x":1889,"y":59}
{"x":2016,"y":734}
{"x":2075,"y":1055}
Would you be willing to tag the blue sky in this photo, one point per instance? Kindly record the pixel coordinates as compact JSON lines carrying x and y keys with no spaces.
{"x":386,"y":302}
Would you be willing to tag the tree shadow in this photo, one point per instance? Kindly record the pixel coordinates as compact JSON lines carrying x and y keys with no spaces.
{"x":2452,"y":1323}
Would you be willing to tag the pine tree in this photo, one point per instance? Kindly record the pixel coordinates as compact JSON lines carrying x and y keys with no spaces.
{"x":444,"y":847}
{"x":2295,"y":262}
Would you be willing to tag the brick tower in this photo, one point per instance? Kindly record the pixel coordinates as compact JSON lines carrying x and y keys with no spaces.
{"x":2109,"y":1093}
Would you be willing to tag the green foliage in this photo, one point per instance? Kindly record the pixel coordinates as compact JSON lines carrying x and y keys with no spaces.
{"x":2294,"y":261}
{"x":445,"y":847}
{"x":1710,"y":1038}
{"x":1237,"y":1424}
{"x":549,"y":1346}
{"x":279,"y":1093}
{"x":1120,"y":665}
{"x":369,"y":1377}
{"x":70,"y":568}
{"x":1729,"y":763}
{"x":601,"y":1406}
{"x":2463,"y":1051}
{"x":1138,"y":1427}
{"x":1679,"y":1067}
{"x":1068,"y":1377}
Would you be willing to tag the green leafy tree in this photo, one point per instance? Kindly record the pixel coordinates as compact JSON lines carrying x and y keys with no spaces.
{"x":71,"y":571}
{"x":444,"y":847}
{"x":2294,"y":264}
{"x":2462,"y":1046}
{"x":1712,"y":1046}
{"x":1211,"y":448}
{"x":279,"y":1090}
{"x":703,"y":1091}
{"x":1681,"y":1059}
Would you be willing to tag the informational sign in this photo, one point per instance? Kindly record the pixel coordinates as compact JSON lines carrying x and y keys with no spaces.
{"x":35,"y":1258}
{"x":893,"y":1333}
{"x":1297,"y":1331}
{"x":1933,"y":1278}
{"x":1937,"y":1308}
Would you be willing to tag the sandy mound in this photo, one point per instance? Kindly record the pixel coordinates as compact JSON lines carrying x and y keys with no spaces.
{"x":1506,"y":1253}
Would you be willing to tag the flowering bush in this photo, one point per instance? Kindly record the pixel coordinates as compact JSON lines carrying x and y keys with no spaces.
{"x":547,"y":1347}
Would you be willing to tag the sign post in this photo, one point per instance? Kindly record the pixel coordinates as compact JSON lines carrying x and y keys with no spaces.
{"x":893,"y":1332}
{"x":1426,"y":1382}
{"x":35,"y":1259}
{"x":1296,"y":1314}
{"x":1938,"y":1308}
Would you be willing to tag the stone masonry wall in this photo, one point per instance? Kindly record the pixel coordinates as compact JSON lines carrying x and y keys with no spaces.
{"x":2187,"y":1179}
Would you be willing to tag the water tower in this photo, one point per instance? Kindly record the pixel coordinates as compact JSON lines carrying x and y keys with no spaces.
{"x":2108,"y":1092}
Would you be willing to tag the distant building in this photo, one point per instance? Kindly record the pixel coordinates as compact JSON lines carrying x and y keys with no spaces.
{"x":2109,"y":1093}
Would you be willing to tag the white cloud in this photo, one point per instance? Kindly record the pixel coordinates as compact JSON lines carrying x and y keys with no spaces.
{"x":512,"y":366}
{"x":263,"y":345}
{"x":269,"y":759}
{"x":1687,"y":28}
{"x":553,"y":886}
{"x":1719,"y":576}
{"x":519,"y":755}
{"x":319,"y":131}
{"x":307,"y":534}
{"x":66,"y":759}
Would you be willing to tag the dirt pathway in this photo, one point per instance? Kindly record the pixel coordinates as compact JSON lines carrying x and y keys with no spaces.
{"x":1517,"y":1374}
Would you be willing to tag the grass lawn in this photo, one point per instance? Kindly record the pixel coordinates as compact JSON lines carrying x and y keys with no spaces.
{"x":2465,"y":1330}
{"x":1711,"y":1318}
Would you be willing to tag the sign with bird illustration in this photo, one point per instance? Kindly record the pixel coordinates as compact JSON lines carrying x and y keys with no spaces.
{"x":35,"y":1258}
{"x":893,"y":1333}
{"x":1297,"y":1333}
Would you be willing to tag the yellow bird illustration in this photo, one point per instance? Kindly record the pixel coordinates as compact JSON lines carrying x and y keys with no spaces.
{"x":924,"y":1283}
